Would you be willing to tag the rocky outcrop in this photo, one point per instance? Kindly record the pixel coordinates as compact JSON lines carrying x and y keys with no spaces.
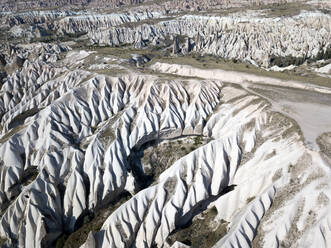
{"x":85,"y":129}
{"x":26,"y":78}
{"x":91,"y":21}
{"x":173,"y":6}
{"x":259,"y":40}
{"x":171,"y":202}
{"x":37,"y":24}
{"x":79,"y":126}
{"x":255,"y":40}
{"x":33,"y":17}
{"x":175,"y":46}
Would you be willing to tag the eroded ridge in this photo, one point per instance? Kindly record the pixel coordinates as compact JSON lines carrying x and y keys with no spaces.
{"x":168,"y":124}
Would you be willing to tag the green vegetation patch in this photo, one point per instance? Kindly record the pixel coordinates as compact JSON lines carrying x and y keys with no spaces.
{"x":11,"y":132}
{"x":155,"y":157}
{"x":19,"y":119}
{"x":29,"y":175}
{"x":202,"y":231}
{"x":290,"y":60}
{"x":91,"y":222}
{"x":2,"y":241}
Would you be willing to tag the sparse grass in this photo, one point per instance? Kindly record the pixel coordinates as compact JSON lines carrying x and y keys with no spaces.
{"x":249,"y":199}
{"x":19,"y":119}
{"x":125,"y":51}
{"x":324,"y":143}
{"x":213,"y":210}
{"x":154,"y":158}
{"x":284,"y":9}
{"x":161,"y":54}
{"x":110,"y":72}
{"x":270,"y":155}
{"x":2,"y":241}
{"x":29,"y":175}
{"x":107,"y":134}
{"x":202,"y":231}
{"x":92,"y":222}
{"x":53,"y":37}
{"x":10,"y":133}
{"x":290,"y":60}
{"x":197,"y":140}
{"x":213,"y":62}
{"x":106,"y":137}
{"x":284,"y":194}
{"x":162,"y":156}
{"x":278,"y":174}
{"x":247,"y":156}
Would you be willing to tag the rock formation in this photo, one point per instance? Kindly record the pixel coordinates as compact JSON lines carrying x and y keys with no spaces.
{"x":112,"y":134}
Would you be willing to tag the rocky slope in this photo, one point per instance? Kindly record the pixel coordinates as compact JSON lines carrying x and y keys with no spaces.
{"x":66,"y":149}
{"x":109,"y":139}
{"x":7,"y":5}
{"x":259,"y":40}
{"x":256,"y":40}
{"x":20,"y":5}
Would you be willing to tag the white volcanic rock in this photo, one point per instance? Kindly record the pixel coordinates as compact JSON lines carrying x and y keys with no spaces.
{"x":243,"y":228}
{"x":277,"y":68}
{"x":42,"y":23}
{"x":160,"y":208}
{"x":324,"y":69}
{"x":81,"y":150}
{"x":248,"y":39}
{"x":34,"y":17}
{"x":173,"y":6}
{"x":155,"y":212}
{"x":89,"y":22}
{"x":305,"y":207}
{"x":68,"y":136}
{"x":100,"y":98}
{"x":90,"y":124}
{"x":77,"y":130}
